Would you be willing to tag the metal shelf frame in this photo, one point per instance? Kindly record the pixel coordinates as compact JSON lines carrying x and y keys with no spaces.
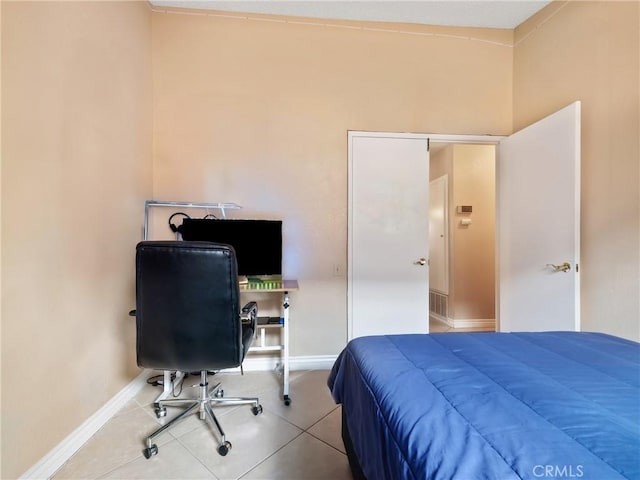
{"x":149,"y":204}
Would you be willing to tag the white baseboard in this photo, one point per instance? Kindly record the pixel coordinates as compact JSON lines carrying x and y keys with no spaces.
{"x":474,"y":323}
{"x":253,"y":363}
{"x":446,"y":320}
{"x":465,"y":322}
{"x":52,"y":461}
{"x":312,"y":362}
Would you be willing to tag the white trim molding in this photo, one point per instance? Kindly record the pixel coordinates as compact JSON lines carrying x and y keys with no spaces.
{"x":56,"y":458}
{"x":474,"y":323}
{"x":255,"y":363}
{"x":465,"y":322}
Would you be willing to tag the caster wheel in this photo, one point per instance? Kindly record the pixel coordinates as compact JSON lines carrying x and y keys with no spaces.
{"x":257,"y":410}
{"x":149,"y":452}
{"x":224,"y":448}
{"x":161,"y":412}
{"x":287,"y":400}
{"x":219,"y":393}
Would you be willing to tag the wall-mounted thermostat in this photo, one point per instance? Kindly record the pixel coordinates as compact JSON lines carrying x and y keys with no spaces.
{"x":464,"y":209}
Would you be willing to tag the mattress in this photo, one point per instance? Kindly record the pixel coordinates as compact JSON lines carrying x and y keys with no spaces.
{"x":492,"y":405}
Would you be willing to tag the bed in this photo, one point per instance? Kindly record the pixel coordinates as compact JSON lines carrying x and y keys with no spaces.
{"x":490,"y":406}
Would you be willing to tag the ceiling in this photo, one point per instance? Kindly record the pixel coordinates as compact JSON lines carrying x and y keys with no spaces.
{"x":463,"y":13}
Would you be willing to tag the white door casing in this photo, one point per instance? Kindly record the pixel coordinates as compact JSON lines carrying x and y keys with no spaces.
{"x":438,"y":237}
{"x":388,"y":272}
{"x":538,"y":225}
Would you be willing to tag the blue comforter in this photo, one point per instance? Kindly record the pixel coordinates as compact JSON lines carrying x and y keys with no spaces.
{"x":492,"y":405}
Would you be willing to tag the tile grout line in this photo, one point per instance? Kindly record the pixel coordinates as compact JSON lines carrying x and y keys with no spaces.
{"x":302,"y":432}
{"x":322,"y":418}
{"x":197,"y":459}
{"x":327,"y":444}
{"x":318,"y":438}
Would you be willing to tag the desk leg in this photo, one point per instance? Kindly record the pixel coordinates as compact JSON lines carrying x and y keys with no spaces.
{"x":168,"y":387}
{"x":285,"y":350}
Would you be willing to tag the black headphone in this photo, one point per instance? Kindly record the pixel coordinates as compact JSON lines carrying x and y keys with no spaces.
{"x":173,"y":228}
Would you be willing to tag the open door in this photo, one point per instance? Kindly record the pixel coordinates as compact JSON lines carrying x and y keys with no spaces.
{"x":538,"y":219}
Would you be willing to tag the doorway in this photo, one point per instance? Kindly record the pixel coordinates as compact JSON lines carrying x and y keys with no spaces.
{"x":388,"y":231}
{"x":462,"y":237}
{"x":536,"y":282}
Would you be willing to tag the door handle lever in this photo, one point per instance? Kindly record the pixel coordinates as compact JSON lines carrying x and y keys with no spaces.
{"x":564,"y":267}
{"x":421,"y":261}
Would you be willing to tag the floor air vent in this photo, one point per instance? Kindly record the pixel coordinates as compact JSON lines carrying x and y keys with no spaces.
{"x":438,"y":304}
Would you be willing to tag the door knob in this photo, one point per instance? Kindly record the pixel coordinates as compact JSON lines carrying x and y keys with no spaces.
{"x":564,"y":267}
{"x":421,"y":261}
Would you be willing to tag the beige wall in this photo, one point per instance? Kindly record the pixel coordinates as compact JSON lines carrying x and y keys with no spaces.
{"x":590,"y":51}
{"x":257,"y":112}
{"x":76,"y":168}
{"x":441,"y":163}
{"x":473,"y":247}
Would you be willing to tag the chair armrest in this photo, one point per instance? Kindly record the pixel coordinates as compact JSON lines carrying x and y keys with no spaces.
{"x":249,"y":315}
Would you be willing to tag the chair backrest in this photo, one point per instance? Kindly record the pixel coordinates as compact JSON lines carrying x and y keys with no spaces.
{"x":187,"y":306}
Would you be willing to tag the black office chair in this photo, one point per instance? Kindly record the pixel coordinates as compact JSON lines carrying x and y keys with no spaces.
{"x":188,"y":319}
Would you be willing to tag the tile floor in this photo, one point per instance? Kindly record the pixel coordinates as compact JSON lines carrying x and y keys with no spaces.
{"x":301,"y":441}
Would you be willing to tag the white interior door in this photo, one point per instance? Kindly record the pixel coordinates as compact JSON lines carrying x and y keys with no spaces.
{"x":538,"y":219}
{"x":438,"y":237}
{"x":388,"y":279}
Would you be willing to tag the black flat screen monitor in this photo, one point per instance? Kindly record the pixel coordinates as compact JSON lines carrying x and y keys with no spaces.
{"x":258,"y":243}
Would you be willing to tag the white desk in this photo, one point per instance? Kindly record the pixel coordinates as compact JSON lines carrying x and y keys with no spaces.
{"x":282,"y":287}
